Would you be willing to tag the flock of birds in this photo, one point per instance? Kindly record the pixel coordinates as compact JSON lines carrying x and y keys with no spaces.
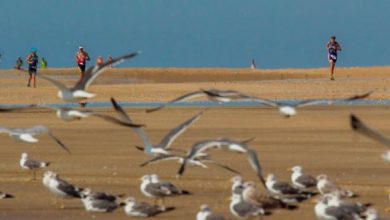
{"x":247,"y":201}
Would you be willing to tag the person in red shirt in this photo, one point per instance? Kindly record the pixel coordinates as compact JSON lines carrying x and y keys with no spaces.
{"x":81,"y":59}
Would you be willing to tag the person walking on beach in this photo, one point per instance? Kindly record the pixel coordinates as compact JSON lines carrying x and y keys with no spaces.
{"x":332,"y":46}
{"x":81,"y":59}
{"x":109,"y":58}
{"x":43,"y":63}
{"x":32,"y":61}
{"x":19,"y":64}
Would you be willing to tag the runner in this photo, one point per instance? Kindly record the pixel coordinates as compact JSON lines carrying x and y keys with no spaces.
{"x":32,"y":61}
{"x":81,"y":59}
{"x":333,"y":46}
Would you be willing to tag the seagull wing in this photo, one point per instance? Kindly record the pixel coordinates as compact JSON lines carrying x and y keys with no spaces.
{"x":255,"y":164}
{"x":21,"y":108}
{"x":139,"y":131}
{"x":160,"y":158}
{"x":58,"y":84}
{"x":187,"y":96}
{"x":265,"y":102}
{"x":36,"y":130}
{"x":4,"y":130}
{"x":167,"y":141}
{"x":59,"y":142}
{"x":208,"y":160}
{"x":358,"y":126}
{"x":117,"y":121}
{"x":320,"y":101}
{"x":93,"y":72}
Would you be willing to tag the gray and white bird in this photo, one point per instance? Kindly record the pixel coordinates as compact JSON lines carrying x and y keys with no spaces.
{"x":59,"y":187}
{"x":284,"y":191}
{"x":244,"y":210}
{"x":77,"y":92}
{"x":215,"y":95}
{"x":301,"y":180}
{"x":334,"y":199}
{"x":26,"y":135}
{"x":142,"y":209}
{"x":237,"y":185}
{"x":325,"y":211}
{"x":206,"y":214}
{"x":288,"y":110}
{"x":30,"y":164}
{"x":152,"y":187}
{"x":164,"y":146}
{"x":71,"y":114}
{"x":4,"y":195}
{"x":361,"y":128}
{"x":99,"y":201}
{"x":326,"y":186}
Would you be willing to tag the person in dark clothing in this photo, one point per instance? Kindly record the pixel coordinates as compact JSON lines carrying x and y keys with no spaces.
{"x":32,"y":61}
{"x":332,"y":46}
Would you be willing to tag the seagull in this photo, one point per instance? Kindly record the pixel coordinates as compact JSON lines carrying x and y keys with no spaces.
{"x":77,"y":92}
{"x":142,"y":209}
{"x":372,"y":214}
{"x":290,"y":110}
{"x":206,"y":214}
{"x":153,"y":188}
{"x":166,"y":142}
{"x":27,"y":134}
{"x":30,"y":164}
{"x":72,"y":114}
{"x":358,"y":126}
{"x":353,"y":207}
{"x":99,"y":201}
{"x":325,"y":186}
{"x":59,"y":187}
{"x":325,"y":211}
{"x":244,"y":210}
{"x":214,"y":95}
{"x":285,"y":191}
{"x":301,"y":180}
{"x":5,"y":195}
{"x":238,"y":185}
{"x":251,"y":195}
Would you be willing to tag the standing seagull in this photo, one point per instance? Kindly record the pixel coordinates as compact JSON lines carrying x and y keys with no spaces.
{"x":142,"y":209}
{"x":206,"y":214}
{"x":244,"y":210}
{"x":59,"y":187}
{"x":26,"y":134}
{"x":5,"y":195}
{"x":325,"y":186}
{"x":214,"y":95}
{"x":290,"y":110}
{"x":285,"y":191}
{"x":77,"y":92}
{"x":153,"y":188}
{"x":301,"y":180}
{"x":325,"y":211}
{"x":33,"y":165}
{"x":166,"y":142}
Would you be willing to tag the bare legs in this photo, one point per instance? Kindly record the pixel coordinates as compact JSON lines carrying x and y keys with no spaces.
{"x":332,"y":65}
{"x":32,"y":77}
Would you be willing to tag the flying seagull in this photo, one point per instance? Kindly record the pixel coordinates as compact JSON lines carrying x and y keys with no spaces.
{"x":77,"y":92}
{"x":142,"y":209}
{"x":30,"y":164}
{"x":301,"y":180}
{"x":206,"y":214}
{"x":71,"y":114}
{"x":287,"y":110}
{"x":27,"y":134}
{"x":214,"y":95}
{"x":166,"y":142}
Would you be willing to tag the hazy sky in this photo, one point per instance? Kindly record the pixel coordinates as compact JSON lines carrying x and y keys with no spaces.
{"x":198,"y":33}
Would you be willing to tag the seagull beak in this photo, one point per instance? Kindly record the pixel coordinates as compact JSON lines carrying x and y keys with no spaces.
{"x":289,"y":169}
{"x":313,"y":201}
{"x":229,"y":199}
{"x":387,"y":209}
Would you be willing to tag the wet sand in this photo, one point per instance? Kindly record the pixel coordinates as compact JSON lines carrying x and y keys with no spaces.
{"x":104,"y":158}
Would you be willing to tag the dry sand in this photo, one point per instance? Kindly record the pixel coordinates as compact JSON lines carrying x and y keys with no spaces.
{"x":104,"y":158}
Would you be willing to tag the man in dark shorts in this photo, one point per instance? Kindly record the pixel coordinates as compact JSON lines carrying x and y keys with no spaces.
{"x":332,"y":46}
{"x":81,"y":59}
{"x":32,"y":61}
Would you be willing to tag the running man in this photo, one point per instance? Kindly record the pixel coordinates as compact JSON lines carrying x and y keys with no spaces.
{"x":32,"y":61}
{"x":333,"y":46}
{"x":81,"y":59}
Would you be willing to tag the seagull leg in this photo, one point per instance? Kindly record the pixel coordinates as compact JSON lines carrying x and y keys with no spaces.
{"x":163,"y":204}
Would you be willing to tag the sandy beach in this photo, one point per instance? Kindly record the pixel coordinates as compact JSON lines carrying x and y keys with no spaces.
{"x":104,"y":158}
